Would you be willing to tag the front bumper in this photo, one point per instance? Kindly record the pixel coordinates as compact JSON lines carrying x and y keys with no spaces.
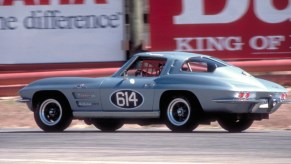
{"x":27,"y":101}
{"x":23,"y":100}
{"x":269,"y":105}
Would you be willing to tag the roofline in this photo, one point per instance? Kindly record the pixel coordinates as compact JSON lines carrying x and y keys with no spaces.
{"x":171,"y":55}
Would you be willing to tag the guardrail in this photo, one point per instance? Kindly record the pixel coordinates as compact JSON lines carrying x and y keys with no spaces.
{"x":10,"y":83}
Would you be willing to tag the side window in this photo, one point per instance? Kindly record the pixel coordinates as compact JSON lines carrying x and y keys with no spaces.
{"x":131,"y":71}
{"x":146,"y":67}
{"x":195,"y":67}
{"x":151,"y":68}
{"x":200,"y":65}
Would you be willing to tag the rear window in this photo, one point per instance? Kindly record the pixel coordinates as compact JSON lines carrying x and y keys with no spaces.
{"x":199,"y":64}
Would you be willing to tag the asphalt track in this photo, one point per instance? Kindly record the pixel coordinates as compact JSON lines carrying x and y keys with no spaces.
{"x":144,"y":146}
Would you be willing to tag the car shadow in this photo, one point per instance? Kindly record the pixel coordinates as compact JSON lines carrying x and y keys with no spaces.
{"x":79,"y":131}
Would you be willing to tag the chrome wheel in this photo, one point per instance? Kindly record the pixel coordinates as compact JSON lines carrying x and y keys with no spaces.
{"x":53,"y":113}
{"x":50,"y":112}
{"x":178,"y":112}
{"x":180,"y":115}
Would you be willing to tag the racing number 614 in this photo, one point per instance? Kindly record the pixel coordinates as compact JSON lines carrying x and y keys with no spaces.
{"x":125,"y":99}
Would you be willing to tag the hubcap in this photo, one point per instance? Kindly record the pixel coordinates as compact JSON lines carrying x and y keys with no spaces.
{"x":50,"y":112}
{"x":178,"y":112}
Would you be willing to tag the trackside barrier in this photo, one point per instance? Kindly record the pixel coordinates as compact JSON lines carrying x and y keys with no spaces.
{"x":264,"y":65}
{"x":10,"y":83}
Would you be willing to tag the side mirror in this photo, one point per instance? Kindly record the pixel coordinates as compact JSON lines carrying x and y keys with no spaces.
{"x":125,"y":75}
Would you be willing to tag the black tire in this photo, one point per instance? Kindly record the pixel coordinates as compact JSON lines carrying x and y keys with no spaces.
{"x":234,"y":125}
{"x":53,"y":114}
{"x":107,"y":125}
{"x":180,"y":115}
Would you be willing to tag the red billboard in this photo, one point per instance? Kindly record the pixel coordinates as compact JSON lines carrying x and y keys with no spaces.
{"x":228,"y":29}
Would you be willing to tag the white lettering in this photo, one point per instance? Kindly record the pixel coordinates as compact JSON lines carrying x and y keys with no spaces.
{"x":193,"y":12}
{"x":266,"y":11}
{"x":215,"y":43}
{"x":209,"y":44}
{"x":233,"y":43}
{"x":266,"y":42}
{"x":123,"y":99}
{"x":275,"y":41}
{"x":132,"y":98}
{"x":183,"y":44}
{"x":120,"y":100}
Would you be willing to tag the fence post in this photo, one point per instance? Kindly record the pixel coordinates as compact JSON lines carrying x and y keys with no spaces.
{"x":135,"y":26}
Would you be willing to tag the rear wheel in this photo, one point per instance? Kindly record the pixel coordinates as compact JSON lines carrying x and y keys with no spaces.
{"x":180,"y":115}
{"x":108,"y":125}
{"x":234,"y":125}
{"x":53,"y":114}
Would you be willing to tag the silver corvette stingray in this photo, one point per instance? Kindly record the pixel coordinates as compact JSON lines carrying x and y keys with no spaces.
{"x":181,"y":90}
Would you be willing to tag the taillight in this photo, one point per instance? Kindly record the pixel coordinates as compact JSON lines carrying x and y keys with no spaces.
{"x":283,"y":96}
{"x":247,"y":95}
{"x":243,"y":95}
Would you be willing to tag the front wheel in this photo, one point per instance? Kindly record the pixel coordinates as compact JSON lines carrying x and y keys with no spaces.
{"x":52,"y":114}
{"x":180,"y":115}
{"x":235,"y":125}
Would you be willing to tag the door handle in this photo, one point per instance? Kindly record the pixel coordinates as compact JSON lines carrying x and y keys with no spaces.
{"x":80,"y":86}
{"x":150,"y":84}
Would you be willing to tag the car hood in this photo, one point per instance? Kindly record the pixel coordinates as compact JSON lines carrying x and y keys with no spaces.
{"x":65,"y":82}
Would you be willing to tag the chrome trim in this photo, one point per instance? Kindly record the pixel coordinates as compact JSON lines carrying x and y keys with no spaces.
{"x":80,"y":86}
{"x":91,"y":114}
{"x":23,"y":100}
{"x":286,"y":101}
{"x":235,"y":101}
{"x":256,"y":103}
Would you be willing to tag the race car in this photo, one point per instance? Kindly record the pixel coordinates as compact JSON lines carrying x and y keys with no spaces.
{"x":179,"y":89}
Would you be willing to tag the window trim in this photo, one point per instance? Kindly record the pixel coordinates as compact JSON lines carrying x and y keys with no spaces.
{"x":211,"y":63}
{"x":165,"y":60}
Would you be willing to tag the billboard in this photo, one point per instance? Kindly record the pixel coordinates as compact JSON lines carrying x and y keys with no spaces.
{"x":228,"y":29}
{"x":61,"y":31}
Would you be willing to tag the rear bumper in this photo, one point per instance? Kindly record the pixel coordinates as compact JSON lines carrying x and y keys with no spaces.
{"x":286,"y":102}
{"x":255,"y":104}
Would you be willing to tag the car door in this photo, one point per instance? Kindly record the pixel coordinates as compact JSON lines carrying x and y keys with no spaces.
{"x":127,"y":93}
{"x":133,"y":88}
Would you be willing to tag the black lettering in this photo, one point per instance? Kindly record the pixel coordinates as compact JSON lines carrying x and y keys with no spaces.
{"x":112,"y":19}
{"x":50,"y":19}
{"x":28,"y":22}
{"x":11,"y":20}
{"x":90,"y":21}
{"x":104,"y":19}
{"x":79,"y":22}
{"x":62,"y":22}
{"x":7,"y":23}
{"x":53,"y":19}
{"x":70,"y":22}
{"x":38,"y":21}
